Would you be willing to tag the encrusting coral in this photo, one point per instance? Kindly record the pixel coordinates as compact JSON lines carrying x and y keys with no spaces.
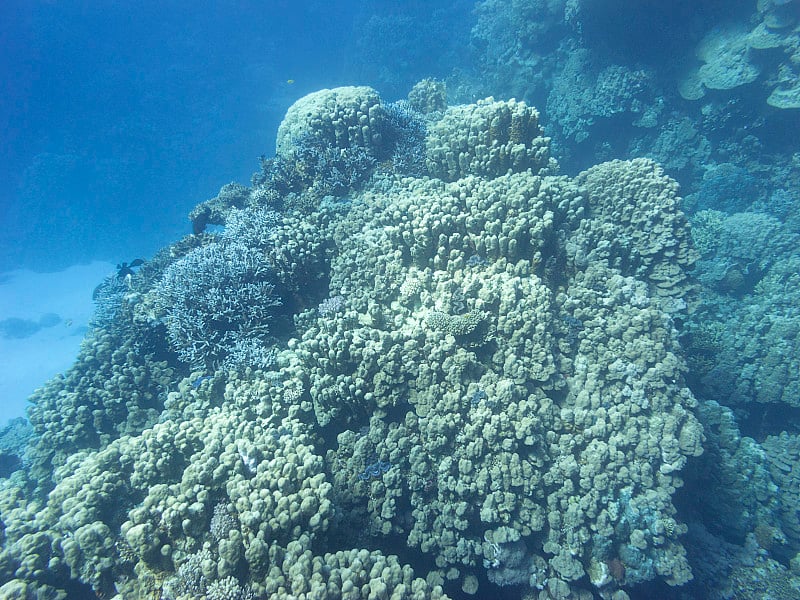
{"x":494,"y":382}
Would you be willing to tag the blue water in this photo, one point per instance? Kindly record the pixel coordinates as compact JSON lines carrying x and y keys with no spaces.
{"x":117,"y":118}
{"x":600,"y":398}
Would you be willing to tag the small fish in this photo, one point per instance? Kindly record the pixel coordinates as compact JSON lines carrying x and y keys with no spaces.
{"x":68,"y":322}
{"x":290,"y":81}
{"x":126,"y":270}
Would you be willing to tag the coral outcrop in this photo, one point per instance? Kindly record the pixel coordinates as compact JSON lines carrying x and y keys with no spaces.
{"x":482,"y":369}
{"x":487,"y":139}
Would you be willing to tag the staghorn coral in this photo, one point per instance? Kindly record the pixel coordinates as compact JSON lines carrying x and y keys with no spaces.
{"x":330,"y":141}
{"x":320,"y":167}
{"x":254,"y":227}
{"x":227,"y":589}
{"x":215,"y":211}
{"x":408,"y":133}
{"x":223,"y":521}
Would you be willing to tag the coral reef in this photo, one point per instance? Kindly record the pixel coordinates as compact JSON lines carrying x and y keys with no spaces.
{"x":782,"y":452}
{"x":608,"y":79}
{"x":737,"y":54}
{"x":112,"y":389}
{"x":428,"y":96}
{"x":650,"y":239}
{"x":481,"y":373}
{"x":424,"y":328}
{"x":216,"y":297}
{"x":584,"y":94}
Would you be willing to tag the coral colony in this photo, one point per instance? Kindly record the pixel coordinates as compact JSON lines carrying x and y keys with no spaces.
{"x":479,"y":364}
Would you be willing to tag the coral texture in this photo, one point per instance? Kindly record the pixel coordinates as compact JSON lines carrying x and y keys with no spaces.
{"x":743,"y":339}
{"x":488,"y":139}
{"x":644,"y":233}
{"x":482,"y":367}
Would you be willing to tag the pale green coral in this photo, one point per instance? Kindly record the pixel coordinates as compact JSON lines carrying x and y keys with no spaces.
{"x":428,"y":96}
{"x":343,"y":117}
{"x":478,"y":435}
{"x":488,"y":391}
{"x":459,"y":326}
{"x":706,"y":228}
{"x":638,"y":227}
{"x":488,"y":138}
{"x":109,"y":391}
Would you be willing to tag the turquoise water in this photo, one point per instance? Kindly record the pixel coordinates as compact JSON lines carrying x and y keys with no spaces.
{"x":401,"y":300}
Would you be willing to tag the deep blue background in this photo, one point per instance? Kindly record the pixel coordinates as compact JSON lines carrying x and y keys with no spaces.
{"x":117,"y":118}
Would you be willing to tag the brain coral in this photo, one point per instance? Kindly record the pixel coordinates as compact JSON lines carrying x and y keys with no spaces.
{"x":496,"y":394}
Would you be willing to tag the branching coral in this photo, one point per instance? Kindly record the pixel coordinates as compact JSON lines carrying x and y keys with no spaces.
{"x":214,"y":298}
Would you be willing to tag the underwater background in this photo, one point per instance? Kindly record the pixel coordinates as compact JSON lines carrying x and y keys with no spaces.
{"x":492,"y":299}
